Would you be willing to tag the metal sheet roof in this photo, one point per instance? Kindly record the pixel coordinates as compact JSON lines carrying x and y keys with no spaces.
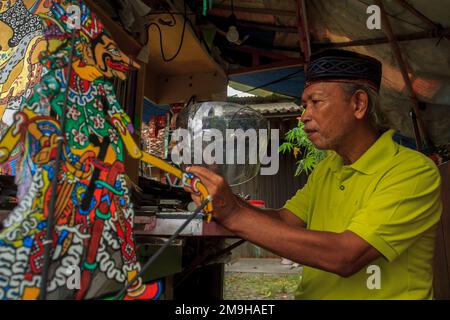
{"x":274,"y":108}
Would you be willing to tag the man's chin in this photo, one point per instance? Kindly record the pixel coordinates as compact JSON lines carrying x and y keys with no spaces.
{"x":319,"y":145}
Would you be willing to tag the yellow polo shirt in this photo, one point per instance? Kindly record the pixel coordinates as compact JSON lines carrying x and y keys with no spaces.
{"x":390,"y":197}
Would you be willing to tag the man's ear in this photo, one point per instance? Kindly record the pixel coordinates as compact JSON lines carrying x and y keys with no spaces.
{"x":360,"y":103}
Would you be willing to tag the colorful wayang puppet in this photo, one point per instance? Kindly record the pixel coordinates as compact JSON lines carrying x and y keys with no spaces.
{"x":21,"y":41}
{"x":93,"y":213}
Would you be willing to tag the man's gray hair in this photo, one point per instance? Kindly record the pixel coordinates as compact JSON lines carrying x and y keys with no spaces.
{"x":377,"y":118}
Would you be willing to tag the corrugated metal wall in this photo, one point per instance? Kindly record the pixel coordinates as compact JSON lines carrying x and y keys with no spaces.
{"x":274,"y":190}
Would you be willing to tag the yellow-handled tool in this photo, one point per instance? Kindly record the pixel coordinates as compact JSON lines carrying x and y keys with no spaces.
{"x":187,"y":179}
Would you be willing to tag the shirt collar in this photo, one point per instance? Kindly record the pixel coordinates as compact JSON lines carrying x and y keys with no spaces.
{"x":380,"y":153}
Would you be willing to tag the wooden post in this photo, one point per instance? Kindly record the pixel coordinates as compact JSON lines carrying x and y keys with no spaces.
{"x":303,"y":31}
{"x":421,"y":16}
{"x":441,"y":279}
{"x":403,"y":69}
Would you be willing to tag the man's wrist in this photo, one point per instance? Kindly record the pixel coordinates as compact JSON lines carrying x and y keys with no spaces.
{"x":232,"y":219}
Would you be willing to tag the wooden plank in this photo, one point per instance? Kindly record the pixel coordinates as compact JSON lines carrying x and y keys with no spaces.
{"x":186,"y":69}
{"x":131,"y":164}
{"x":191,"y":57}
{"x":178,"y":89}
{"x":442,"y":252}
{"x":125,"y":42}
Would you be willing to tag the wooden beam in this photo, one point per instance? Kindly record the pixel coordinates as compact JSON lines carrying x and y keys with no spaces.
{"x":271,"y":66}
{"x":303,"y":31}
{"x":266,"y":27}
{"x":268,"y":11}
{"x":421,"y":16}
{"x":441,"y":264}
{"x":132,"y":164}
{"x":259,"y":52}
{"x":429,"y":34}
{"x":404,"y":71}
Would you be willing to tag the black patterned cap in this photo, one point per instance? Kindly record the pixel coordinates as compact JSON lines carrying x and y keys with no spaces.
{"x":345,"y":66}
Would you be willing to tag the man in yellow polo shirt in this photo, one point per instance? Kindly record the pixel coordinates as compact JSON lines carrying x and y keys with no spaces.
{"x":364,"y":225}
{"x":387,"y":197}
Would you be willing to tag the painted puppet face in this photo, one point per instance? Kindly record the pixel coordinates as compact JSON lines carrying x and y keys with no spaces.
{"x":110,"y":61}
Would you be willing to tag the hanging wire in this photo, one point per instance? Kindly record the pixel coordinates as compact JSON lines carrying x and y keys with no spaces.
{"x":171,"y":24}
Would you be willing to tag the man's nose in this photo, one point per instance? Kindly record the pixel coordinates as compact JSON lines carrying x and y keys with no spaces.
{"x":306,"y":116}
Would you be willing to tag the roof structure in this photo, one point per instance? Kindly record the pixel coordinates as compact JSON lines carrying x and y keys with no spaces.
{"x":421,"y":28}
{"x":286,"y":109}
{"x":276,"y":38}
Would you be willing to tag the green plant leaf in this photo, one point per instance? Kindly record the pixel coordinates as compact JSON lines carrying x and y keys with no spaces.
{"x":310,"y":156}
{"x":299,"y":168}
{"x":286,"y":147}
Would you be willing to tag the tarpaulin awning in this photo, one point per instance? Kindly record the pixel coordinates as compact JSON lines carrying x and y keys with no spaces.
{"x":288,"y":81}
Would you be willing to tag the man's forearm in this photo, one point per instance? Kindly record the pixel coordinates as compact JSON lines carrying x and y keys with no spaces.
{"x":280,"y":214}
{"x":268,"y":212}
{"x":312,"y":248}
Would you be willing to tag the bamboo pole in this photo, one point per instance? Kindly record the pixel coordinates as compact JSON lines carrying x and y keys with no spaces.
{"x":403,"y":69}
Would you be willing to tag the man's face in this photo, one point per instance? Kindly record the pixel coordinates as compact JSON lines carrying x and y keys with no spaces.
{"x":328,"y":117}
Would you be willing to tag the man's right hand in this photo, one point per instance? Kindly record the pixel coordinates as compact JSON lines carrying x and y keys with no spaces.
{"x":224,"y":202}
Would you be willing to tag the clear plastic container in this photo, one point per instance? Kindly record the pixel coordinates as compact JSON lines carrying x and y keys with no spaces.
{"x":224,"y":137}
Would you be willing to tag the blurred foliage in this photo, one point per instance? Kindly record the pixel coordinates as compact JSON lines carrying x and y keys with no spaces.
{"x":260,"y":286}
{"x":297,"y":143}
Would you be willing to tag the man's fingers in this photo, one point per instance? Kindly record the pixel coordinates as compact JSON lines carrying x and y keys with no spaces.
{"x":188,"y":189}
{"x":197,"y":199}
{"x":204,"y":174}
